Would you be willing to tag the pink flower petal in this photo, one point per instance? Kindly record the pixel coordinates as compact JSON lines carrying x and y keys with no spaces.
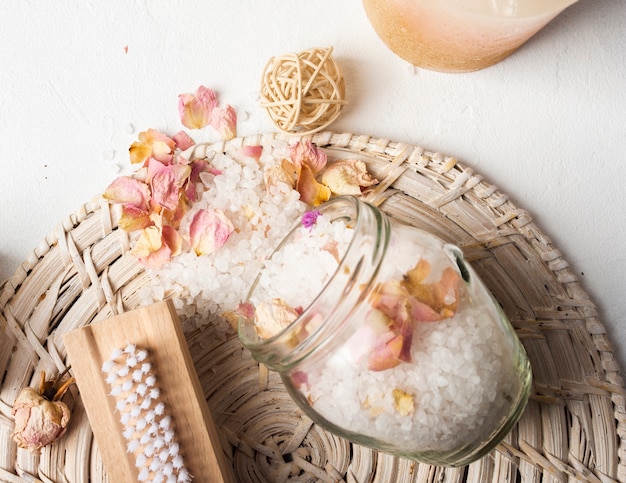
{"x":195,"y":110}
{"x":166,"y":182}
{"x":183,"y":141}
{"x":128,"y":191}
{"x":385,"y":352}
{"x":251,"y":151}
{"x":306,"y":153}
{"x":152,"y":144}
{"x":209,"y":230}
{"x":157,"y":246}
{"x":149,"y":241}
{"x":245,"y":309}
{"x":286,"y":173}
{"x":133,"y":219}
{"x":224,"y":121}
{"x":273,"y":317}
{"x":197,"y":167}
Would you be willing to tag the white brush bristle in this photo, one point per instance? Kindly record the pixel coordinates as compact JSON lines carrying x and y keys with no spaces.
{"x":148,"y":428}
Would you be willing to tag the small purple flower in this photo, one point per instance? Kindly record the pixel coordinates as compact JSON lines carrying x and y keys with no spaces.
{"x":309,"y":218}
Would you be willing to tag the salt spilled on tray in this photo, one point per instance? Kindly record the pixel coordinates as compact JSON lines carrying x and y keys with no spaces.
{"x":209,"y":286}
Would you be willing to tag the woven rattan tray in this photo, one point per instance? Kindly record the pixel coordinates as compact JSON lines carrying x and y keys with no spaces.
{"x":572,"y":429}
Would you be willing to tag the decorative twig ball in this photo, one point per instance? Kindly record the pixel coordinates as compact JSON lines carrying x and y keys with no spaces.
{"x":303,"y":93}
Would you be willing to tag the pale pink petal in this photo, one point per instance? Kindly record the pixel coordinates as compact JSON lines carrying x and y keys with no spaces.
{"x":441,"y":298}
{"x":133,"y":219}
{"x":197,"y":167}
{"x":152,"y":144}
{"x":286,"y":173}
{"x":306,"y":153}
{"x":271,"y":318}
{"x":182,"y":140}
{"x":195,"y":110}
{"x":158,"y":258}
{"x":156,"y":247}
{"x":385,"y":353}
{"x":172,"y":239}
{"x":224,"y":121}
{"x":149,"y":241}
{"x":209,"y":230}
{"x":128,"y":191}
{"x":347,"y":177}
{"x":162,"y":146}
{"x":166,"y":182}
{"x":251,"y":151}
{"x":245,"y":310}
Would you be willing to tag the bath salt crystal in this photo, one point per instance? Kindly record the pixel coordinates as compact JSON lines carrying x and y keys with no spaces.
{"x":304,"y":265}
{"x":457,"y":362}
{"x":452,"y":403}
{"x":206,"y":288}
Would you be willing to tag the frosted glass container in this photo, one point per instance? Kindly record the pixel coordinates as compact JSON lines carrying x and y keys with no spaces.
{"x":402,"y":349}
{"x":458,"y":35}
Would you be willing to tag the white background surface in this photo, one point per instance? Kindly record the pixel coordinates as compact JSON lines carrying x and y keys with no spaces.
{"x":547,"y":126}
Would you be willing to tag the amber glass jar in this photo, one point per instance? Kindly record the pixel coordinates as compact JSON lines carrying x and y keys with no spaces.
{"x":384,"y":335}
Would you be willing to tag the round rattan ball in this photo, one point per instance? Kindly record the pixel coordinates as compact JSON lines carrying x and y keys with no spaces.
{"x":303,"y":93}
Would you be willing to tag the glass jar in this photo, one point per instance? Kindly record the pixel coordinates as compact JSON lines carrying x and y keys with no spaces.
{"x":384,"y":335}
{"x":458,"y":35}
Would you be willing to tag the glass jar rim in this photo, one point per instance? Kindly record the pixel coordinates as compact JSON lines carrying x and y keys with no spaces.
{"x":345,"y":207}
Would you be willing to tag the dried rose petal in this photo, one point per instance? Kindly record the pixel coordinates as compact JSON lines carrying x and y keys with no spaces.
{"x":197,"y":167}
{"x":311,"y":191}
{"x":442,"y":297}
{"x":251,"y":151}
{"x":195,"y":110}
{"x":183,"y":141}
{"x":38,"y":421}
{"x":166,"y":182}
{"x":152,"y":144}
{"x":128,"y":191}
{"x":286,"y":173}
{"x":271,"y":318}
{"x":224,"y":121}
{"x":157,"y":246}
{"x":347,"y":177}
{"x":209,"y":230}
{"x":403,"y":402}
{"x":133,"y":219}
{"x":246,"y":310}
{"x":392,"y":299}
{"x":149,"y":241}
{"x":306,"y":153}
{"x":299,"y":379}
{"x":385,"y":352}
{"x":174,"y":218}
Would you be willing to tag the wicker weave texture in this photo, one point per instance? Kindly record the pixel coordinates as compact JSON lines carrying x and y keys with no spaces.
{"x":572,"y":429}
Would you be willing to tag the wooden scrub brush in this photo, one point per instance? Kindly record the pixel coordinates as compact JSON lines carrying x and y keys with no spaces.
{"x":143,"y":399}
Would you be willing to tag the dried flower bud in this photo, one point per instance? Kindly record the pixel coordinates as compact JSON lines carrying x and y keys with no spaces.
{"x":39,"y":421}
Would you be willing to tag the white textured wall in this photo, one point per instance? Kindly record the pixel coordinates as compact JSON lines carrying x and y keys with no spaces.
{"x":547,"y":126}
